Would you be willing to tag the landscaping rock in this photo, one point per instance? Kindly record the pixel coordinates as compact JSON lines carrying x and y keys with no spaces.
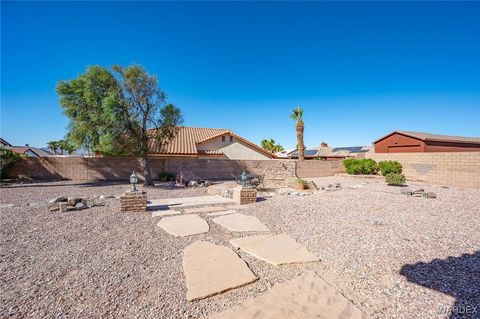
{"x":211,"y":269}
{"x":58,"y":200}
{"x":106,"y":196}
{"x":80,"y":206}
{"x":429,"y":195}
{"x":418,"y":192}
{"x":72,"y":201}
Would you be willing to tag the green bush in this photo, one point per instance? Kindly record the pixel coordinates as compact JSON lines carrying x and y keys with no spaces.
{"x":8,"y":158}
{"x":395,"y":179}
{"x":366,"y":166}
{"x":302,"y":182}
{"x":387,"y":167}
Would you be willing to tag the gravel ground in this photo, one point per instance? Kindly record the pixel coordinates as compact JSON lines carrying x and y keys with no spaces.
{"x":394,"y":256}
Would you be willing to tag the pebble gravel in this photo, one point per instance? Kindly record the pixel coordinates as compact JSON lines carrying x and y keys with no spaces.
{"x":394,"y":256}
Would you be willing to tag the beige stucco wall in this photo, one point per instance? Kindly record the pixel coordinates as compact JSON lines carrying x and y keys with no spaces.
{"x":232,"y":150}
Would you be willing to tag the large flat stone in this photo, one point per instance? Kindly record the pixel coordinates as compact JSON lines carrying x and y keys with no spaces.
{"x":222,"y":212}
{"x":168,"y":212}
{"x":307,"y":296}
{"x":207,"y":209}
{"x":240,"y":222}
{"x":275,"y":249}
{"x":186,"y":202}
{"x":184,"y":225}
{"x":211,"y":269}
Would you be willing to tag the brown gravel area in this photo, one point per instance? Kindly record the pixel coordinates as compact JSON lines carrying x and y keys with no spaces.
{"x":394,"y":256}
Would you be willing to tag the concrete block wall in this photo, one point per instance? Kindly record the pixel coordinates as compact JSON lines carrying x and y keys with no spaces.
{"x":277,"y":172}
{"x":460,"y":169}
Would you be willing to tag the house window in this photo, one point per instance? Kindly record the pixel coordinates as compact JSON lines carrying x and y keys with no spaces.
{"x":223,"y":138}
{"x":231,"y":138}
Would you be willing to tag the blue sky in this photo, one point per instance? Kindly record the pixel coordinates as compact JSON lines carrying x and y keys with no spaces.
{"x":359,"y":69}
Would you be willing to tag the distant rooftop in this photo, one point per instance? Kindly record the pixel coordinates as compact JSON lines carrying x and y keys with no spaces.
{"x":434,"y":137}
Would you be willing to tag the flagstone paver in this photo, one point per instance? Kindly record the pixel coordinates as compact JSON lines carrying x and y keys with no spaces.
{"x":186,"y":202}
{"x":224,"y":212}
{"x":275,"y":249}
{"x":307,"y":296}
{"x":208,"y":209}
{"x":184,"y":225}
{"x":211,"y":269}
{"x":168,"y":212}
{"x":240,"y":222}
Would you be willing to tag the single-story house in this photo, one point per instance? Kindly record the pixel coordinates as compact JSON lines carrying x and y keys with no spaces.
{"x":26,"y":150}
{"x":325,"y":152}
{"x":211,"y":143}
{"x":407,"y":141}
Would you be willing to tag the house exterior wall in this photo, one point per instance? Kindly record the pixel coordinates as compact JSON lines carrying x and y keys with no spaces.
{"x":398,"y":143}
{"x":432,"y":146}
{"x":231,"y":150}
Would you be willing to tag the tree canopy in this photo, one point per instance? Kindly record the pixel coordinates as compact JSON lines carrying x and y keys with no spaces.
{"x":117,"y":111}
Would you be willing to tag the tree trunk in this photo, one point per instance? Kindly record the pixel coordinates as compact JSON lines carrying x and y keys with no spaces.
{"x":146,"y":172}
{"x":300,"y":145}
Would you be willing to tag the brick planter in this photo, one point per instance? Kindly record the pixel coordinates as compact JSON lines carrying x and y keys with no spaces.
{"x":245,"y":195}
{"x":133,"y":202}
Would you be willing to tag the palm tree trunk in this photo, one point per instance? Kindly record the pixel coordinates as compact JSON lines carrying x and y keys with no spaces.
{"x":146,"y":172}
{"x":300,"y":145}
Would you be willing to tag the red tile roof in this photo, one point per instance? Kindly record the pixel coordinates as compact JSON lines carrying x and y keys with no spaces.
{"x":186,"y":140}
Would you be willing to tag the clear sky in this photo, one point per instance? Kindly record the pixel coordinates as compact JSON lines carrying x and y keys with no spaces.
{"x":359,"y":69}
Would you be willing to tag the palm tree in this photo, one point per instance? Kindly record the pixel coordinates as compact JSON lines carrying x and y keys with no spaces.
{"x":297,"y":114}
{"x":53,"y":145}
{"x":270,"y":146}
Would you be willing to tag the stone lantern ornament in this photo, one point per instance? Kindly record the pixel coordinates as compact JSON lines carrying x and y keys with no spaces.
{"x":133,"y":200}
{"x":245,"y":193}
{"x":133,"y":181}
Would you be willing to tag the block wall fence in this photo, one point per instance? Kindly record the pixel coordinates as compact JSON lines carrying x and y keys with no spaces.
{"x":460,"y":169}
{"x":120,"y":168}
{"x":450,"y":168}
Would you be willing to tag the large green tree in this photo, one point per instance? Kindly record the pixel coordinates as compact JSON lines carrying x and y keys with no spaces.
{"x":118,"y":111}
{"x":297,"y":115}
{"x":271,"y":146}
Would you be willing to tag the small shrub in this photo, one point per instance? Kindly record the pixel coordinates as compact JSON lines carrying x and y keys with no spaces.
{"x":387,"y":167}
{"x":395,"y":179}
{"x":366,"y":166}
{"x":8,"y":158}
{"x":302,"y":182}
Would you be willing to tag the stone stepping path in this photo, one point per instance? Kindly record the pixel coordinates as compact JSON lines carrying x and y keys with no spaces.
{"x":211,"y":269}
{"x":223,"y":212}
{"x":187,"y":202}
{"x":199,"y":210}
{"x":184,"y":225}
{"x":307,"y":296}
{"x":240,"y":222}
{"x":275,"y":249}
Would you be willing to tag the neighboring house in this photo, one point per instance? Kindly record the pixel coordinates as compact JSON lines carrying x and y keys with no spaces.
{"x":406,"y":142}
{"x":24,"y":150}
{"x":325,"y":152}
{"x":4,"y":143}
{"x":28,"y":151}
{"x":211,"y":143}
